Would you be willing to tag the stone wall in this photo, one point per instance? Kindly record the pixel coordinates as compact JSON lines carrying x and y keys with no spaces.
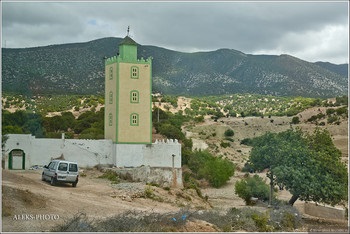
{"x":166,"y":177}
{"x":327,"y":212}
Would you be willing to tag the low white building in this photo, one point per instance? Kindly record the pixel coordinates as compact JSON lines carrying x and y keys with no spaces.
{"x":156,"y":162}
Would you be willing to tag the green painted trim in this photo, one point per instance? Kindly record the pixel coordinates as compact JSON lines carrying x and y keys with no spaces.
{"x":117,"y":104}
{"x":10,"y":161}
{"x":24,"y":161}
{"x":137,"y":119}
{"x":150,"y":104}
{"x":128,"y":52}
{"x":131,"y":72}
{"x":110,"y":119}
{"x":137,"y":96}
{"x":116,"y":59}
{"x":110,"y":98}
{"x":111,"y":72}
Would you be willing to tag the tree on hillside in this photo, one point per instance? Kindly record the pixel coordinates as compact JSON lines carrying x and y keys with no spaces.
{"x":308,"y":165}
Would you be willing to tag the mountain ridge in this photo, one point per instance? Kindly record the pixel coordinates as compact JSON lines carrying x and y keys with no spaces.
{"x":79,"y":68}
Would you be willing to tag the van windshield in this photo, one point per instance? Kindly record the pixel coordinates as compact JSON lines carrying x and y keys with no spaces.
{"x":63,"y":167}
{"x":73,"y":167}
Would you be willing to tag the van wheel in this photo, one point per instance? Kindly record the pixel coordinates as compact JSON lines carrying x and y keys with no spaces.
{"x":42,"y":177}
{"x":53,"y":181}
{"x":74,"y":184}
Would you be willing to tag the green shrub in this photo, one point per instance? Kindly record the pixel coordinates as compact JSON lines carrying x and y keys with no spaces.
{"x":111,"y":176}
{"x":171,"y":131}
{"x":199,"y":119}
{"x":332,"y":119}
{"x":261,"y":222}
{"x":342,"y":110}
{"x":295,"y":120}
{"x":247,"y":141}
{"x":224,"y":144}
{"x":229,"y":139}
{"x":215,"y":170}
{"x":330,"y":111}
{"x":285,"y":218}
{"x":252,"y":187}
{"x":229,"y":133}
{"x":248,"y":167}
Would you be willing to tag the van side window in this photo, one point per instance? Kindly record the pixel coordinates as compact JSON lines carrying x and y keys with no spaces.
{"x":51,"y":165}
{"x":63,"y":167}
{"x":73,"y":167}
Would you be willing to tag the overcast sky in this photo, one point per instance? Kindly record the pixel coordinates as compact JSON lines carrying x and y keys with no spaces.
{"x":312,"y":31}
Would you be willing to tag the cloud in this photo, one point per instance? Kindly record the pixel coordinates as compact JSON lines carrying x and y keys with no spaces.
{"x":313,"y":30}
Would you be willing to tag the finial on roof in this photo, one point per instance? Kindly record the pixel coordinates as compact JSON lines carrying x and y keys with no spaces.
{"x":128,"y":30}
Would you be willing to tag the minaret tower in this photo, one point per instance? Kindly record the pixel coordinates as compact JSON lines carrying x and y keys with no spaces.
{"x":128,"y":101}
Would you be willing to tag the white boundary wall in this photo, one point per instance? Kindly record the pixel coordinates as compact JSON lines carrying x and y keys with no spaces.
{"x":88,"y":153}
{"x":158,"y":154}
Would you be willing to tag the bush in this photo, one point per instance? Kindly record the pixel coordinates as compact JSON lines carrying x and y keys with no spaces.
{"x":342,"y":110}
{"x":229,"y":133}
{"x":248,"y":167}
{"x":247,"y":141}
{"x":224,"y":144}
{"x":332,"y":119}
{"x":252,"y":187}
{"x":285,"y":218}
{"x":295,"y":120}
{"x":215,"y":170}
{"x":110,"y":175}
{"x":79,"y":223}
{"x":199,"y":119}
{"x":330,"y":111}
{"x":261,"y":221}
{"x":171,"y":131}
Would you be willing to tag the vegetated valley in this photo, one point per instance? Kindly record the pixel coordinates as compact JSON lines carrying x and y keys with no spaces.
{"x":215,"y":133}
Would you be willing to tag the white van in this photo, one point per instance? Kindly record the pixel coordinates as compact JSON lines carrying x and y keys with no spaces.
{"x":61,"y":171}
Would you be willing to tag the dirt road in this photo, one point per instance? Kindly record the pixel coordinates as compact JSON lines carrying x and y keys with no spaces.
{"x":26,"y":197}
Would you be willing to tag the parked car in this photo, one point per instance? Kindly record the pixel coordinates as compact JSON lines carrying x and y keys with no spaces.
{"x":61,"y":171}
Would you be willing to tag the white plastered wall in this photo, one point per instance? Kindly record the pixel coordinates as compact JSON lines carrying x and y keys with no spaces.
{"x":87,"y":153}
{"x":158,"y":154}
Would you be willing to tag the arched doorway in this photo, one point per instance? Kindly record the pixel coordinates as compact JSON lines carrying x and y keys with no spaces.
{"x":17,"y":159}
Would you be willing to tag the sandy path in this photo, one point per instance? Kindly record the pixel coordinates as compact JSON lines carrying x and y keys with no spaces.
{"x":94,"y":197}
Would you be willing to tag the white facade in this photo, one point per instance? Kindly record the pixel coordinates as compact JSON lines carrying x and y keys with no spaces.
{"x":158,"y":154}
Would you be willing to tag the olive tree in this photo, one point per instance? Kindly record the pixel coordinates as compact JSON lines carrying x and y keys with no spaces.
{"x":308,"y":165}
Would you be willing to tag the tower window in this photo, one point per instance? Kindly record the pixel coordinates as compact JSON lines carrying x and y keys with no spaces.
{"x":111,"y":73}
{"x":134,"y":96}
{"x":134,"y":72}
{"x":110,"y":119}
{"x":110,"y":97}
{"x":134,"y":119}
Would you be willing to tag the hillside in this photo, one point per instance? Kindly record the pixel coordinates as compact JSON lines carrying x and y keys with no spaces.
{"x":78,"y":69}
{"x":341,"y":69}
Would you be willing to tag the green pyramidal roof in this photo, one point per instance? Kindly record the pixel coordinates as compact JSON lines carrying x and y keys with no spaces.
{"x":128,"y":41}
